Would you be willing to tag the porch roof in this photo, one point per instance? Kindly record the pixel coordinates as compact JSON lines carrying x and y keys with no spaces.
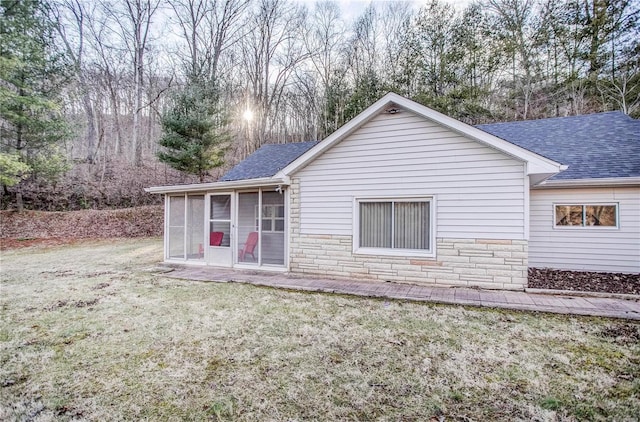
{"x":267,"y":161}
{"x":218,"y":186}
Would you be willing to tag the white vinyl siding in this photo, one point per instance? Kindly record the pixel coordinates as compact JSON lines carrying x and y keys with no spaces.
{"x":480,"y":191}
{"x":611,"y":249}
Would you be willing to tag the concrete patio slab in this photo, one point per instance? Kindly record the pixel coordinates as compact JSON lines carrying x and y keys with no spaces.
{"x":625,"y":308}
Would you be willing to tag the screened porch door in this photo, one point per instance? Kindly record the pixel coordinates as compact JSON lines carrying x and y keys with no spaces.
{"x":219,"y":251}
{"x":261,"y":228}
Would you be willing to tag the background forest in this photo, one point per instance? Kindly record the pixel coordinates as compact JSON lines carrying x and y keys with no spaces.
{"x":97,"y":96}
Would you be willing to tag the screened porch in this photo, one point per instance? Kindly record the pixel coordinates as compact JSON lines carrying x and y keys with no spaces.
{"x":231,"y":229}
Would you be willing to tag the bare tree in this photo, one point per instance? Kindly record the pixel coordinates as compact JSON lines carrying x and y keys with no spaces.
{"x":623,"y":90}
{"x":271,"y":52}
{"x":523,"y":31}
{"x":394,"y":21}
{"x":135,"y":22}
{"x":364,"y":57}
{"x":71,"y":16}
{"x":107,"y":71}
{"x":208,"y":27}
{"x":325,"y":42}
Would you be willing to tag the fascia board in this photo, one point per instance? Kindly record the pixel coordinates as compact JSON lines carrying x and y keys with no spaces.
{"x":203,"y":187}
{"x":589,"y":183}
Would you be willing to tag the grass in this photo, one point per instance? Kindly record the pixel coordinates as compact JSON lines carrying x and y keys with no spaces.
{"x":90,"y":332}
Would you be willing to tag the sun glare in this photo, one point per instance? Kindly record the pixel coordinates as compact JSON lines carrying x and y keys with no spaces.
{"x":247,"y":115}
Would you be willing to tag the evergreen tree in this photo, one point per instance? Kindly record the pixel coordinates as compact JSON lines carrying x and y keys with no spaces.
{"x":32,"y":71}
{"x":194,"y":136}
{"x":12,"y":169}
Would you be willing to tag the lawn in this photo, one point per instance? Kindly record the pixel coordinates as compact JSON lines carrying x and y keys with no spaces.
{"x":92,"y":332}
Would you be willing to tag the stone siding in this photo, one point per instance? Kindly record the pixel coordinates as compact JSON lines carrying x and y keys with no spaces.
{"x":492,"y":264}
{"x":486,"y":263}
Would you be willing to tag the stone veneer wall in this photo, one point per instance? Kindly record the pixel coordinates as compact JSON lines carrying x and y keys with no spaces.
{"x":486,"y":263}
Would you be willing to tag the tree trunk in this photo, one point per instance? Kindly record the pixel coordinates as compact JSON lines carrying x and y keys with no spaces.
{"x":19,"y":202}
{"x":118,"y":150}
{"x":136,"y":141}
{"x":91,"y":128}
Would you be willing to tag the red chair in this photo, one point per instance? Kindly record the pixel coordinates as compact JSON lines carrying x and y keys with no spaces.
{"x":215,"y":239}
{"x":249,"y":247}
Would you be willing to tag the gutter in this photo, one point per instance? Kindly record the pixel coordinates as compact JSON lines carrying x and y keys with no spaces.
{"x":215,"y":186}
{"x":603,"y":182}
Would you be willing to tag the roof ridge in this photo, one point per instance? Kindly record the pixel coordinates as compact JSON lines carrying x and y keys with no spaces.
{"x":577,"y":116}
{"x":286,"y":143}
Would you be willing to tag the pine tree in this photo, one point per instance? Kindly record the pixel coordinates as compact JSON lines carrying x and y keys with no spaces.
{"x":32,"y":72}
{"x":194,"y":136}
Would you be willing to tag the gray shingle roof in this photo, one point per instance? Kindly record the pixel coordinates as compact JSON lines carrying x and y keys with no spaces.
{"x":267,"y":161}
{"x":594,"y":146}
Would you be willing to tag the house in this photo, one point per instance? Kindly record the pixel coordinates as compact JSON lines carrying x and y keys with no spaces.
{"x":404,"y":193}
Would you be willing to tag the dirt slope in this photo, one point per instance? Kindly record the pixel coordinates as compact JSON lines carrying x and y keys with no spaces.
{"x":23,"y":228}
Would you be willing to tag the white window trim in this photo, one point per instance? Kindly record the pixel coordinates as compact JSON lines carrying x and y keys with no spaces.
{"x":273,"y":218}
{"x":421,"y":253}
{"x":584,"y":204}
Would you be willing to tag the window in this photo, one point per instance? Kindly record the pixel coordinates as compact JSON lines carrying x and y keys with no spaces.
{"x":273,"y":218}
{"x":394,"y":225}
{"x":571,"y":215}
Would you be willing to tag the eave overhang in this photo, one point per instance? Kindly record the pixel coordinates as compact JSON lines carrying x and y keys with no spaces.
{"x":590,"y":183}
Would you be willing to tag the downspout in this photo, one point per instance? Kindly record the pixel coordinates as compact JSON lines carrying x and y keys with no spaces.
{"x":527,"y":205}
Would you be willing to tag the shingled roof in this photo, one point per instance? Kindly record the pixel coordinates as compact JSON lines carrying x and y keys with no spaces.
{"x":602,"y":145}
{"x":267,"y":161}
{"x":594,"y":146}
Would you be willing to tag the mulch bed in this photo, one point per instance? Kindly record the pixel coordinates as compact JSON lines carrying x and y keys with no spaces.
{"x":545,"y":278}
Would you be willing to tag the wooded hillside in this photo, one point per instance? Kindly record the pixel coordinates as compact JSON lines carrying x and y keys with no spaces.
{"x":282,"y":71}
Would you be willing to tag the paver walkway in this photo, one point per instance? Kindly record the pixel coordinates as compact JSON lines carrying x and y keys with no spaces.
{"x":561,"y":304}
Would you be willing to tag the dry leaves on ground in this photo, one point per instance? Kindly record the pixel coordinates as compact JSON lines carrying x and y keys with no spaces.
{"x":545,"y":278}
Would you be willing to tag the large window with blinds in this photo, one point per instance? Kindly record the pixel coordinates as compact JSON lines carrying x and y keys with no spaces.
{"x":399,"y":225}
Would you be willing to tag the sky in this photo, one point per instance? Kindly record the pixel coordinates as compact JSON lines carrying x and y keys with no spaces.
{"x":352,"y":8}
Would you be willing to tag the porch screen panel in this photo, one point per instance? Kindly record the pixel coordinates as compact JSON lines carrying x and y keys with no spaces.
{"x":195,"y":227}
{"x":248,"y":228}
{"x":176,"y":227}
{"x":375,"y":224}
{"x":221,"y":218}
{"x":411,"y":225}
{"x":273,"y":221}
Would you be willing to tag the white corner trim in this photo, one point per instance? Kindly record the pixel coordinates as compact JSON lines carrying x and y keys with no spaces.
{"x":527,"y":208}
{"x":536,"y":164}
